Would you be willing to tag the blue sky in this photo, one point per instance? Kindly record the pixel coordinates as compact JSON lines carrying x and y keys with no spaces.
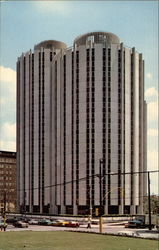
{"x":26,"y":23}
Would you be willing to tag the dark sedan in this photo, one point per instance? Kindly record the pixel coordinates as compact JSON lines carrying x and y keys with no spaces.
{"x":44,"y":222}
{"x":134,"y":224}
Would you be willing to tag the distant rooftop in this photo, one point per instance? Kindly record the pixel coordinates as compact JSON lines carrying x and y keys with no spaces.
{"x":7,"y":153}
{"x":97,"y":37}
{"x":50,"y":44}
{"x":87,"y":38}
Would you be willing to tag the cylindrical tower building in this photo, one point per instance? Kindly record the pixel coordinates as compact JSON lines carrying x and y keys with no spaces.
{"x":76,"y":106}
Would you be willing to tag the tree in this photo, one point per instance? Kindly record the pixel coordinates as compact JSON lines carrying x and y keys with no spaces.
{"x":154,"y":204}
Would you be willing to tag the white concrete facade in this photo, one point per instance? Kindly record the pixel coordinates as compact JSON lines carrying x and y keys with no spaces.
{"x":74,"y":107}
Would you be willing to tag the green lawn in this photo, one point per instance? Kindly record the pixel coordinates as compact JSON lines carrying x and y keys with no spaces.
{"x":71,"y":241}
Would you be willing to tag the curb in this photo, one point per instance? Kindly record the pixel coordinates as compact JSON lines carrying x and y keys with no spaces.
{"x":117,"y":234}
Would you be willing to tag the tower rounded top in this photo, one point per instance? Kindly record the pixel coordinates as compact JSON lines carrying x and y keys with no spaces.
{"x":50,"y":44}
{"x":96,"y":37}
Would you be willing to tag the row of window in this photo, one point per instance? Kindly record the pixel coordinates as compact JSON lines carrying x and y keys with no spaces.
{"x":6,"y":184}
{"x":72,"y":126}
{"x":7,"y":160}
{"x":77,"y":134}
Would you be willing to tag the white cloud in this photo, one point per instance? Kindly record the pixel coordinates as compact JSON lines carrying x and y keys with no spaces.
{"x":154,"y":181}
{"x":57,"y":7}
{"x":8,"y":137}
{"x":152,"y":160}
{"x":7,"y":108}
{"x":152,"y":111}
{"x":152,"y":164}
{"x":8,"y":132}
{"x":7,"y":75}
{"x":2,"y":101}
{"x":151,"y":92}
{"x":152,"y":132}
{"x":149,"y":75}
{"x":7,"y":86}
{"x":8,"y":145}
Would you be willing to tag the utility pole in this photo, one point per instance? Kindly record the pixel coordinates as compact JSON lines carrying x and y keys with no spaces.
{"x":4,"y":200}
{"x":90,"y":200}
{"x":100,"y":193}
{"x":149,"y":200}
{"x":90,"y":209}
{"x":4,"y":210}
{"x":24,"y":206}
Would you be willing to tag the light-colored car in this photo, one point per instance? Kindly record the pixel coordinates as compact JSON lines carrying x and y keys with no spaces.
{"x":59,"y":223}
{"x":21,"y":224}
{"x":33,"y":222}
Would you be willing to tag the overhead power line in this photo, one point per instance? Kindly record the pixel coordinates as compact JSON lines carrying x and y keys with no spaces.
{"x":91,"y":176}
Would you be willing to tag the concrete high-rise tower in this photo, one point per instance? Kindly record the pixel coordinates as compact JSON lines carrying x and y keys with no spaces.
{"x":76,"y":106}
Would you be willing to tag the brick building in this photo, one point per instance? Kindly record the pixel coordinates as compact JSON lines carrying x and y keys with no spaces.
{"x":8,"y":180}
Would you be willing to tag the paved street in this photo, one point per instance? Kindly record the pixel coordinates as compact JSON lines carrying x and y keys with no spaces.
{"x":108,"y":229}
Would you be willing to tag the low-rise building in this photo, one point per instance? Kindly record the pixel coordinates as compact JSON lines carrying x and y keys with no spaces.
{"x":7,"y":181}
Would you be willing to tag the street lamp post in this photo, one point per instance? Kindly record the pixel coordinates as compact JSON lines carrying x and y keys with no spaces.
{"x":90,"y":209}
{"x":90,"y":201}
{"x":25,"y":204}
{"x":100,"y":184}
{"x":4,"y":200}
{"x":4,"y":213}
{"x":100,"y":193}
{"x":149,"y":201}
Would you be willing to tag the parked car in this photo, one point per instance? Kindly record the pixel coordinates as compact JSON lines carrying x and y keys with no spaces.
{"x":72,"y":224}
{"x":58,"y":223}
{"x":45,"y":222}
{"x":11,"y":220}
{"x":23,"y":218}
{"x":134,"y":224}
{"x":33,"y":222}
{"x":21,"y":224}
